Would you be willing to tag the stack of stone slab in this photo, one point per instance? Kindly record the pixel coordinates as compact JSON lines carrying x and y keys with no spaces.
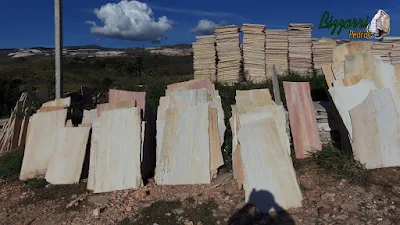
{"x":261,"y":151}
{"x":254,"y":52}
{"x":371,"y":115}
{"x":382,"y":50}
{"x":322,"y":52}
{"x":395,"y":50}
{"x":395,"y":55}
{"x":300,"y":54}
{"x":228,"y":53}
{"x":190,"y":133}
{"x":276,"y":51}
{"x":204,"y":58}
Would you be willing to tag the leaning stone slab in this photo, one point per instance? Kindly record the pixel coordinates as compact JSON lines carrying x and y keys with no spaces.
{"x":376,"y":130}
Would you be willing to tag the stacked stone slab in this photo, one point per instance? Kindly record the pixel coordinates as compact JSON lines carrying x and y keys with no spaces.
{"x":228,"y":54}
{"x":254,"y":51}
{"x":204,"y":55}
{"x":300,"y":55}
{"x":322,"y":52}
{"x":395,"y":55}
{"x":395,"y":50}
{"x":382,"y":49}
{"x":276,"y":51}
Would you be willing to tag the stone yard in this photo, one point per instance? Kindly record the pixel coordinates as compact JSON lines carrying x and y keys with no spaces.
{"x":327,"y":200}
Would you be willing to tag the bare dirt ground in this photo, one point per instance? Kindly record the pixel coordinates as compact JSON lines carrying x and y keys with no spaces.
{"x":326,"y":201}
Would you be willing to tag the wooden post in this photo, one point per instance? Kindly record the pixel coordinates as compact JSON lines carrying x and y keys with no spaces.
{"x":275,"y":85}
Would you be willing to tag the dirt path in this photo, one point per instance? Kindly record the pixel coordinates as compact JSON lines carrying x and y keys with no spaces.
{"x":326,"y":201}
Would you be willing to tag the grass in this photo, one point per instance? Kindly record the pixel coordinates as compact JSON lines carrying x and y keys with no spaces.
{"x":10,"y":164}
{"x":161,"y":212}
{"x":341,"y":165}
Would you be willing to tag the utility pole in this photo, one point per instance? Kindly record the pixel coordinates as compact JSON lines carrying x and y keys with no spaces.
{"x":58,"y":47}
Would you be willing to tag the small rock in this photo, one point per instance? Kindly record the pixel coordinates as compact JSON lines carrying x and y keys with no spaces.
{"x":146,"y":205}
{"x":178,"y":211}
{"x":188,"y":222}
{"x":241,"y":205}
{"x":99,"y":200}
{"x":168,"y":214}
{"x":74,"y":196}
{"x":155,"y":223}
{"x":96,"y":212}
{"x":128,"y":208}
{"x":140,"y":194}
{"x":199,"y":223}
{"x":385,"y":222}
{"x":379,"y":219}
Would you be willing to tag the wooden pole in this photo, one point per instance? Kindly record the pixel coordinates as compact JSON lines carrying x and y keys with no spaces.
{"x":275,"y":85}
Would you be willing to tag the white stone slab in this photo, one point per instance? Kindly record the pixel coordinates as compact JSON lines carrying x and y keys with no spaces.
{"x":376,"y":130}
{"x":40,"y":142}
{"x":118,"y":157}
{"x":346,"y":98}
{"x":267,"y":167}
{"x":66,"y":161}
{"x":89,"y":116}
{"x":187,"y":96}
{"x":185,"y":149}
{"x":94,"y":142}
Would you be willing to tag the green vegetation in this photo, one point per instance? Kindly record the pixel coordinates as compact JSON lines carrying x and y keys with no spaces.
{"x":139,"y":71}
{"x":341,"y":164}
{"x":100,"y":74}
{"x":10,"y":164}
{"x":162,"y":212}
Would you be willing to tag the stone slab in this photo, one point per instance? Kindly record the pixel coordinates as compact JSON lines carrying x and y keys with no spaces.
{"x":66,"y":161}
{"x":303,"y":122}
{"x":376,"y":130}
{"x":41,"y":136}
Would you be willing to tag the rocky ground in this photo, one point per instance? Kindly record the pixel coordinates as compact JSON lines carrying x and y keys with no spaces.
{"x":326,"y":201}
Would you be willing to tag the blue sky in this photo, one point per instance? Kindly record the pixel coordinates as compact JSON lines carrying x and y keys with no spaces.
{"x":27,"y":23}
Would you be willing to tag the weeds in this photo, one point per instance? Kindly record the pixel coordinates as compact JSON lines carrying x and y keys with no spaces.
{"x":162,"y":212}
{"x":341,"y":165}
{"x":10,"y":164}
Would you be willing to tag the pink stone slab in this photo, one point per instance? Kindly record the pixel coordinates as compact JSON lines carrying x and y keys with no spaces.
{"x":121,"y":95}
{"x":192,"y":84}
{"x":303,"y":122}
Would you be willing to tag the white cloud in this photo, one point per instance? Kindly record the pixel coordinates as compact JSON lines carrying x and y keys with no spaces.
{"x":204,"y":27}
{"x":130,"y":20}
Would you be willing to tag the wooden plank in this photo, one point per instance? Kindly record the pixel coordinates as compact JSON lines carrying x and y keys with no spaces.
{"x":275,"y":84}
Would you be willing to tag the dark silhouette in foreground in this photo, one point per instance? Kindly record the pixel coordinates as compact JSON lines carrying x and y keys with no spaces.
{"x":257,"y":213}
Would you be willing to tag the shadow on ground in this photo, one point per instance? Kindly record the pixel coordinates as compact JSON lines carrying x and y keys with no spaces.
{"x":258,"y":211}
